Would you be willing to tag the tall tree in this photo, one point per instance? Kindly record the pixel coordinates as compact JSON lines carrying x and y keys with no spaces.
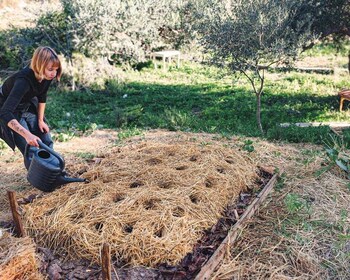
{"x":126,"y":28}
{"x":123,"y":31}
{"x":331,"y":19}
{"x":249,"y":36}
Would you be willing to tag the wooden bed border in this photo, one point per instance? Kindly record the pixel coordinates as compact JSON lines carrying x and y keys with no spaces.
{"x":209,"y":267}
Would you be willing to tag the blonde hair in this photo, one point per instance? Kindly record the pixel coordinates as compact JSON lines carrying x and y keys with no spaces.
{"x":41,"y":58}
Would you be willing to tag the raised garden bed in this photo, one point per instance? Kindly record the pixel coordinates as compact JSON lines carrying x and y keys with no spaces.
{"x":206,"y":252}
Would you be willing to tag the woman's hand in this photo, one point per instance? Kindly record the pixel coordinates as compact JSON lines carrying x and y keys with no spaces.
{"x":32,"y":140}
{"x":44,"y":128}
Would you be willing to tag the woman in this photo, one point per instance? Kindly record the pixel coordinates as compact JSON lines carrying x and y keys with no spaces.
{"x":23,"y":99}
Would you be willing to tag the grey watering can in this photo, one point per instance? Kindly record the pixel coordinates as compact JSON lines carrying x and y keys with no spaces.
{"x":46,"y":168}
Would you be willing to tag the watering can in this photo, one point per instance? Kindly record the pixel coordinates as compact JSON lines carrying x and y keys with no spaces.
{"x":46,"y":168}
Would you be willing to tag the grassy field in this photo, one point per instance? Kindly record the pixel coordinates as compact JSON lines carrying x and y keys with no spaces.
{"x":200,"y":98}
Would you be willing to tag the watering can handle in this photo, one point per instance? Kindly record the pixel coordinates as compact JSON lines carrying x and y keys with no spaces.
{"x":51,"y":151}
{"x":47,"y":148}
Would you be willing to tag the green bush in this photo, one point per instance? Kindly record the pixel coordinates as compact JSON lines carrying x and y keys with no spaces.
{"x":12,"y":54}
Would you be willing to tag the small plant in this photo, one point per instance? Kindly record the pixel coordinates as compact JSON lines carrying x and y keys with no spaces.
{"x":86,"y":156}
{"x":127,"y":133}
{"x":204,"y":143}
{"x":62,"y":136}
{"x":2,"y":145}
{"x":338,"y":154}
{"x":281,"y":180}
{"x":247,"y":146}
{"x":295,"y":203}
{"x":88,"y":127}
{"x":176,"y":119}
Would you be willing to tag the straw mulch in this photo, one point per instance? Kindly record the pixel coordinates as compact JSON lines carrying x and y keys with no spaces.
{"x":18,"y":259}
{"x":151,"y":201}
{"x":302,"y":231}
{"x":13,"y":177}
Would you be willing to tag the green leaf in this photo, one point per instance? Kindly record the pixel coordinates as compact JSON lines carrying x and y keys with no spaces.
{"x":342,"y":165}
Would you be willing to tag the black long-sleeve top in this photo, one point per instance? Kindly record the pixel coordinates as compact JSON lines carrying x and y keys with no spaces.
{"x":18,"y":91}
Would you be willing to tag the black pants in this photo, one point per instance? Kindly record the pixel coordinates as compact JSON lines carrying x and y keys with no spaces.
{"x":29,"y":121}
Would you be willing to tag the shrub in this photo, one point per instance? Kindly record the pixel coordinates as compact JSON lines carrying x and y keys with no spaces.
{"x":123,"y":30}
{"x":89,"y":73}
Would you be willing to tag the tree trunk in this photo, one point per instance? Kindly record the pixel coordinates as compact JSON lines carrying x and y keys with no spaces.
{"x":70,"y":62}
{"x":258,"y":111}
{"x":349,"y":62}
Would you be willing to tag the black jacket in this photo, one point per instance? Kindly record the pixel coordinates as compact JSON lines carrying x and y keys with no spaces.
{"x":21,"y":92}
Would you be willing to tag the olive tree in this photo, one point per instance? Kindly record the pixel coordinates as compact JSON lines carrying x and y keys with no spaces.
{"x":127,"y":28}
{"x":332,"y":17}
{"x":124,"y":31}
{"x":249,"y":36}
{"x":332,"y":21}
{"x":101,"y":27}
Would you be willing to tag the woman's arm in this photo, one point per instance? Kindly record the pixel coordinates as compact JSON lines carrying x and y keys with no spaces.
{"x":42,"y":125}
{"x":27,"y":135}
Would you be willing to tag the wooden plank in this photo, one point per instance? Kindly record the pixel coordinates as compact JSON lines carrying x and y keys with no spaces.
{"x":319,"y":70}
{"x":106,"y":262}
{"x":209,"y":267}
{"x":15,"y":214}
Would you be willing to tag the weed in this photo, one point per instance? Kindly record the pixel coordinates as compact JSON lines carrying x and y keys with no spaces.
{"x":19,"y":188}
{"x":280,"y":181}
{"x":343,"y":220}
{"x":62,"y":136}
{"x":247,"y":146}
{"x":338,"y":154}
{"x":2,"y":145}
{"x":128,"y":133}
{"x":85,"y":155}
{"x":294,"y":203}
{"x":176,"y":119}
{"x":276,"y":153}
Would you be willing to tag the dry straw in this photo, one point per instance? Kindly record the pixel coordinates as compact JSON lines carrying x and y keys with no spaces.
{"x":18,"y":259}
{"x":151,"y":201}
{"x":307,"y":244}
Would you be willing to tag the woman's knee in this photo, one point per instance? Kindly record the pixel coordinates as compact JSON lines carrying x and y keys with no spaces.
{"x":46,"y":139}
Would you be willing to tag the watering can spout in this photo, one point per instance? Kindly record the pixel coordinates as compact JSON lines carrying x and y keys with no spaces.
{"x":65,"y":180}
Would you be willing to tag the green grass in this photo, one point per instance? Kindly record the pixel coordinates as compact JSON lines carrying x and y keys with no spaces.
{"x":203,"y":99}
{"x":329,"y":48}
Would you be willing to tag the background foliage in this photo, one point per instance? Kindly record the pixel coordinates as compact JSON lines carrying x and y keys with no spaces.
{"x":104,"y":45}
